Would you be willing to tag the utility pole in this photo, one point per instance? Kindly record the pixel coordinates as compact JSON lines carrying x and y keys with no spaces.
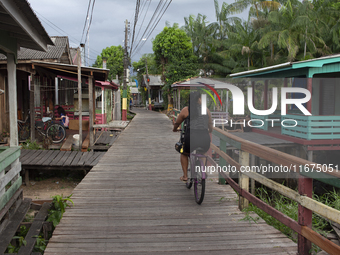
{"x":148,"y":83}
{"x":124,"y":108}
{"x":80,"y":106}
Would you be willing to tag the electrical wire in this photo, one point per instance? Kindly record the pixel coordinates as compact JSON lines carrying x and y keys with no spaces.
{"x":88,"y":29}
{"x":135,"y":22}
{"x":142,"y":21}
{"x":86,"y":20}
{"x":147,"y":27}
{"x":61,"y":31}
{"x":156,"y":23}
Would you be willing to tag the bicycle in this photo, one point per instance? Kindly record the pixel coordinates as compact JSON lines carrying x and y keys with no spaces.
{"x":46,"y":128}
{"x":197,"y":174}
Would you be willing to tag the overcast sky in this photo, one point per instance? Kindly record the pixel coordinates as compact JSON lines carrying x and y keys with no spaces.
{"x":108,"y":21}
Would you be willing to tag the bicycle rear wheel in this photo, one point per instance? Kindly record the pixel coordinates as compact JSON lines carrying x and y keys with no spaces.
{"x":57,"y":133}
{"x":189,"y":182}
{"x":199,"y":182}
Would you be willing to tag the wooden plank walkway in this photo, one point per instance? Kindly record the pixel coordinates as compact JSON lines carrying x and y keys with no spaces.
{"x":58,"y":159}
{"x":132,"y":202}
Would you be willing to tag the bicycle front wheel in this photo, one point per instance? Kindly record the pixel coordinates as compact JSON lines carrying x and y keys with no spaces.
{"x":57,"y":133}
{"x":199,"y":182}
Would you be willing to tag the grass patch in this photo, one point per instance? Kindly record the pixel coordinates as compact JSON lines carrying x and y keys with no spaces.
{"x":290,"y":208}
{"x":28,"y":145}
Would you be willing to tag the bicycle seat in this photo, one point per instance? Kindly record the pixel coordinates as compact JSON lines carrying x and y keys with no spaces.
{"x":45,"y":119}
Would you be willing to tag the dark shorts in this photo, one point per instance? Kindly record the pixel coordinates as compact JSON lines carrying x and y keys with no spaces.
{"x":196,"y":138}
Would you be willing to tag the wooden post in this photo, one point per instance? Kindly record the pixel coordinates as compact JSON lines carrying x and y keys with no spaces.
{"x":305,"y":187}
{"x":243,"y":180}
{"x":252,"y":181}
{"x":80,"y":105}
{"x":285,"y":84}
{"x":309,"y":87}
{"x":12,"y":98}
{"x":253,"y":95}
{"x":179,"y":98}
{"x":265,"y":103}
{"x":223,"y":162}
{"x":91,"y":110}
{"x":103,"y":105}
{"x":32,"y":109}
{"x":41,"y":91}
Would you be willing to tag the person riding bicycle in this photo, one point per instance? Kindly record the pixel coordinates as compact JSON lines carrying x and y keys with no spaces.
{"x":63,"y":117}
{"x":197,"y":130}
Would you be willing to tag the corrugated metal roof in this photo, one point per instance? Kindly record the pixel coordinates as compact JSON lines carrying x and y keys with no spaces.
{"x":53,"y":52}
{"x":315,"y":62}
{"x":17,"y":16}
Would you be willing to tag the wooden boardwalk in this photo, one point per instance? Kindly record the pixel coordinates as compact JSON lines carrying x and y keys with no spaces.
{"x":132,"y":201}
{"x":52,"y":159}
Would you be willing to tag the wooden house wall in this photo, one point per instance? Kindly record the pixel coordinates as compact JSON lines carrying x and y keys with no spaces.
{"x":4,"y":114}
{"x":316,"y":102}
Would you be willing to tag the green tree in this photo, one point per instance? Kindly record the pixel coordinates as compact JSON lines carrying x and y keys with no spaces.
{"x":174,"y":53}
{"x":140,"y":68}
{"x":201,"y":34}
{"x":115,"y":57}
{"x":243,"y":42}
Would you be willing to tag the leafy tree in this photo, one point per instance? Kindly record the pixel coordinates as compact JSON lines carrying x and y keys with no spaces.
{"x":115,"y":61}
{"x":140,"y":68}
{"x":202,"y":37}
{"x":244,"y":41}
{"x":174,"y":53}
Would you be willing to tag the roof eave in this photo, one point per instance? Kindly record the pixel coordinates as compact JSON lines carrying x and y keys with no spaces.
{"x":37,"y":34}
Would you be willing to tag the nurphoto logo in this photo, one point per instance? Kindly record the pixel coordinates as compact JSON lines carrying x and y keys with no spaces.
{"x":238,"y":105}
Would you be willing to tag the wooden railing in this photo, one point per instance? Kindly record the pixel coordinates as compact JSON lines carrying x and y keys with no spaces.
{"x":303,"y":197}
{"x":264,"y":125}
{"x":313,"y":127}
{"x":10,"y":181}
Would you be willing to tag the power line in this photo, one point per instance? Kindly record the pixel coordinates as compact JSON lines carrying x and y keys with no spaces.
{"x":86,"y":20}
{"x":61,"y":31}
{"x":88,"y":29}
{"x":46,"y":20}
{"x":156,"y":23}
{"x":147,"y":27}
{"x":135,"y":22}
{"x":142,"y":21}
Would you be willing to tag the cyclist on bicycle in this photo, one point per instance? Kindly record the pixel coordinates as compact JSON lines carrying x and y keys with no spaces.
{"x":197,"y":130}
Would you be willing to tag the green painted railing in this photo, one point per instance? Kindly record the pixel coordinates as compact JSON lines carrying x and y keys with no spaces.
{"x":10,"y":181}
{"x":312,"y":127}
{"x":264,"y":118}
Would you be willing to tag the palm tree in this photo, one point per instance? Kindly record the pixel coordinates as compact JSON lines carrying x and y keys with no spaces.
{"x":224,"y":23}
{"x":243,"y":40}
{"x":293,"y":25}
{"x":256,"y":5}
{"x":201,"y":34}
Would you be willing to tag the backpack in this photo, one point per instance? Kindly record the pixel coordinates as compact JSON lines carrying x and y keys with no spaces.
{"x":67,"y":121}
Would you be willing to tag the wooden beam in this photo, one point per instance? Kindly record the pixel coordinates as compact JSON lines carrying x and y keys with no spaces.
{"x":80,"y":105}
{"x":32,"y":108}
{"x":86,"y":143}
{"x":265,"y":103}
{"x":270,"y":154}
{"x":243,"y":179}
{"x":310,"y":88}
{"x":67,"y":145}
{"x":307,"y":202}
{"x":92,"y":111}
{"x":12,"y":98}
